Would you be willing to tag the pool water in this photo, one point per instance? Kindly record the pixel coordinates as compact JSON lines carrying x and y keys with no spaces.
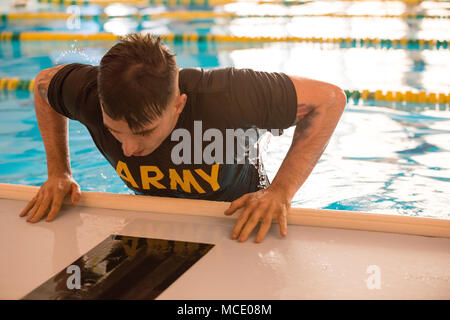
{"x":383,"y":157}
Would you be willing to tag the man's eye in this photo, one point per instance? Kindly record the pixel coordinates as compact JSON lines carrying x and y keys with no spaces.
{"x":144,"y":134}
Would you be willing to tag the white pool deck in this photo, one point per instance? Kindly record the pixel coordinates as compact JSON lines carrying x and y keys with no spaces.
{"x":310,"y":263}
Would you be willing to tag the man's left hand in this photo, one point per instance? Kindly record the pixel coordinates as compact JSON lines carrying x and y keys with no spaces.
{"x":264,"y":204}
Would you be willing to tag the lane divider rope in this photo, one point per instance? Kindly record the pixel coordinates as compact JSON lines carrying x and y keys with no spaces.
{"x":202,"y":2}
{"x":386,"y":43}
{"x":192,"y":15}
{"x":12,"y":84}
{"x":161,"y":2}
{"x":398,"y":96}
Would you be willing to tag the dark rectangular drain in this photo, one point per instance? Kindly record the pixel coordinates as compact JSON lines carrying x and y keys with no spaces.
{"x":123,"y":267}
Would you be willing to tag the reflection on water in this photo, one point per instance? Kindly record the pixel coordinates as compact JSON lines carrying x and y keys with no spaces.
{"x":379,"y":160}
{"x":123,"y":267}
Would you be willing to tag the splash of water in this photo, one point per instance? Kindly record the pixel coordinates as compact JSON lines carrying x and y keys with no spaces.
{"x":257,"y":158}
{"x":262,"y":146}
{"x":74,"y":53}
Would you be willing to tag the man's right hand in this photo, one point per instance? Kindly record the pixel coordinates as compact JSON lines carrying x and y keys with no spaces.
{"x":51,"y":196}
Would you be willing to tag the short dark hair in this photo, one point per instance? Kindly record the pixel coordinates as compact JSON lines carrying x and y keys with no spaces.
{"x":136,"y":79}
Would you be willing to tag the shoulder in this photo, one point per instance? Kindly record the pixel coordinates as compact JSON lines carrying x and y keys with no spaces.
{"x":79,"y":69}
{"x":72,"y":91}
{"x":201,"y":80}
{"x":77,"y":79}
{"x":81,"y":72}
{"x":74,"y":76}
{"x":43,"y":79}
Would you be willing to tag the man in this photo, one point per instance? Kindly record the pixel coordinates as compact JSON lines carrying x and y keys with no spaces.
{"x":137,"y":98}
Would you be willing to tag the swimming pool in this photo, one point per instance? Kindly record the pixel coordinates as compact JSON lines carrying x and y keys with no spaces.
{"x":384,"y":157}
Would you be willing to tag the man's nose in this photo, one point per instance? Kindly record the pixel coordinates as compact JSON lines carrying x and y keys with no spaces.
{"x":129,"y":147}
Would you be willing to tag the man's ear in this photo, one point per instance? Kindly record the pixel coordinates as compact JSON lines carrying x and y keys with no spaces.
{"x":180,"y":103}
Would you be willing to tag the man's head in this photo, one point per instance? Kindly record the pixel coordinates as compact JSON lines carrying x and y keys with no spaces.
{"x":139,"y":94}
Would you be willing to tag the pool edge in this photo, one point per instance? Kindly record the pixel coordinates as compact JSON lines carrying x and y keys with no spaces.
{"x":363,"y":221}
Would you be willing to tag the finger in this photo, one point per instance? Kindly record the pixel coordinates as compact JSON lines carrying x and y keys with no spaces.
{"x":35,"y":207}
{"x":236,"y":204}
{"x":252,"y":222}
{"x":264,"y":228}
{"x":240,"y":222}
{"x":282,"y":220}
{"x":42,"y":209}
{"x":56,"y":207}
{"x":76,"y":194}
{"x":28,"y":207}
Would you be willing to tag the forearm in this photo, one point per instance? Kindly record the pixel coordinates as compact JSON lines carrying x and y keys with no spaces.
{"x":319,"y":108}
{"x":53,"y":128}
{"x":311,"y":136}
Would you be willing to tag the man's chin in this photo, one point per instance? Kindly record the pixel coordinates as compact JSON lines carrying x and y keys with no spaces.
{"x":143,"y":154}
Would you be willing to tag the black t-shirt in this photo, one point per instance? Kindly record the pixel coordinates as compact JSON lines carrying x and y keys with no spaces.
{"x":222,"y":98}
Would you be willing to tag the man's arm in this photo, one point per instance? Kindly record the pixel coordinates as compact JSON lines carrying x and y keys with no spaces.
{"x":52,"y":125}
{"x":54,"y":132}
{"x":319,"y":108}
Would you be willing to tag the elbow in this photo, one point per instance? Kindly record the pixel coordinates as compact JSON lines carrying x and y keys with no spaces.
{"x":339,"y":99}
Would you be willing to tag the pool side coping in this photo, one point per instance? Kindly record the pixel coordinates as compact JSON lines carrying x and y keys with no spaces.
{"x":354,"y":220}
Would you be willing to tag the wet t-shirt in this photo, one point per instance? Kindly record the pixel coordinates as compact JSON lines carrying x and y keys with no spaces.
{"x":220,"y":99}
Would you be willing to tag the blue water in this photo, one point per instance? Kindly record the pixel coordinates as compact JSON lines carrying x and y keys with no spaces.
{"x":383,"y":158}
